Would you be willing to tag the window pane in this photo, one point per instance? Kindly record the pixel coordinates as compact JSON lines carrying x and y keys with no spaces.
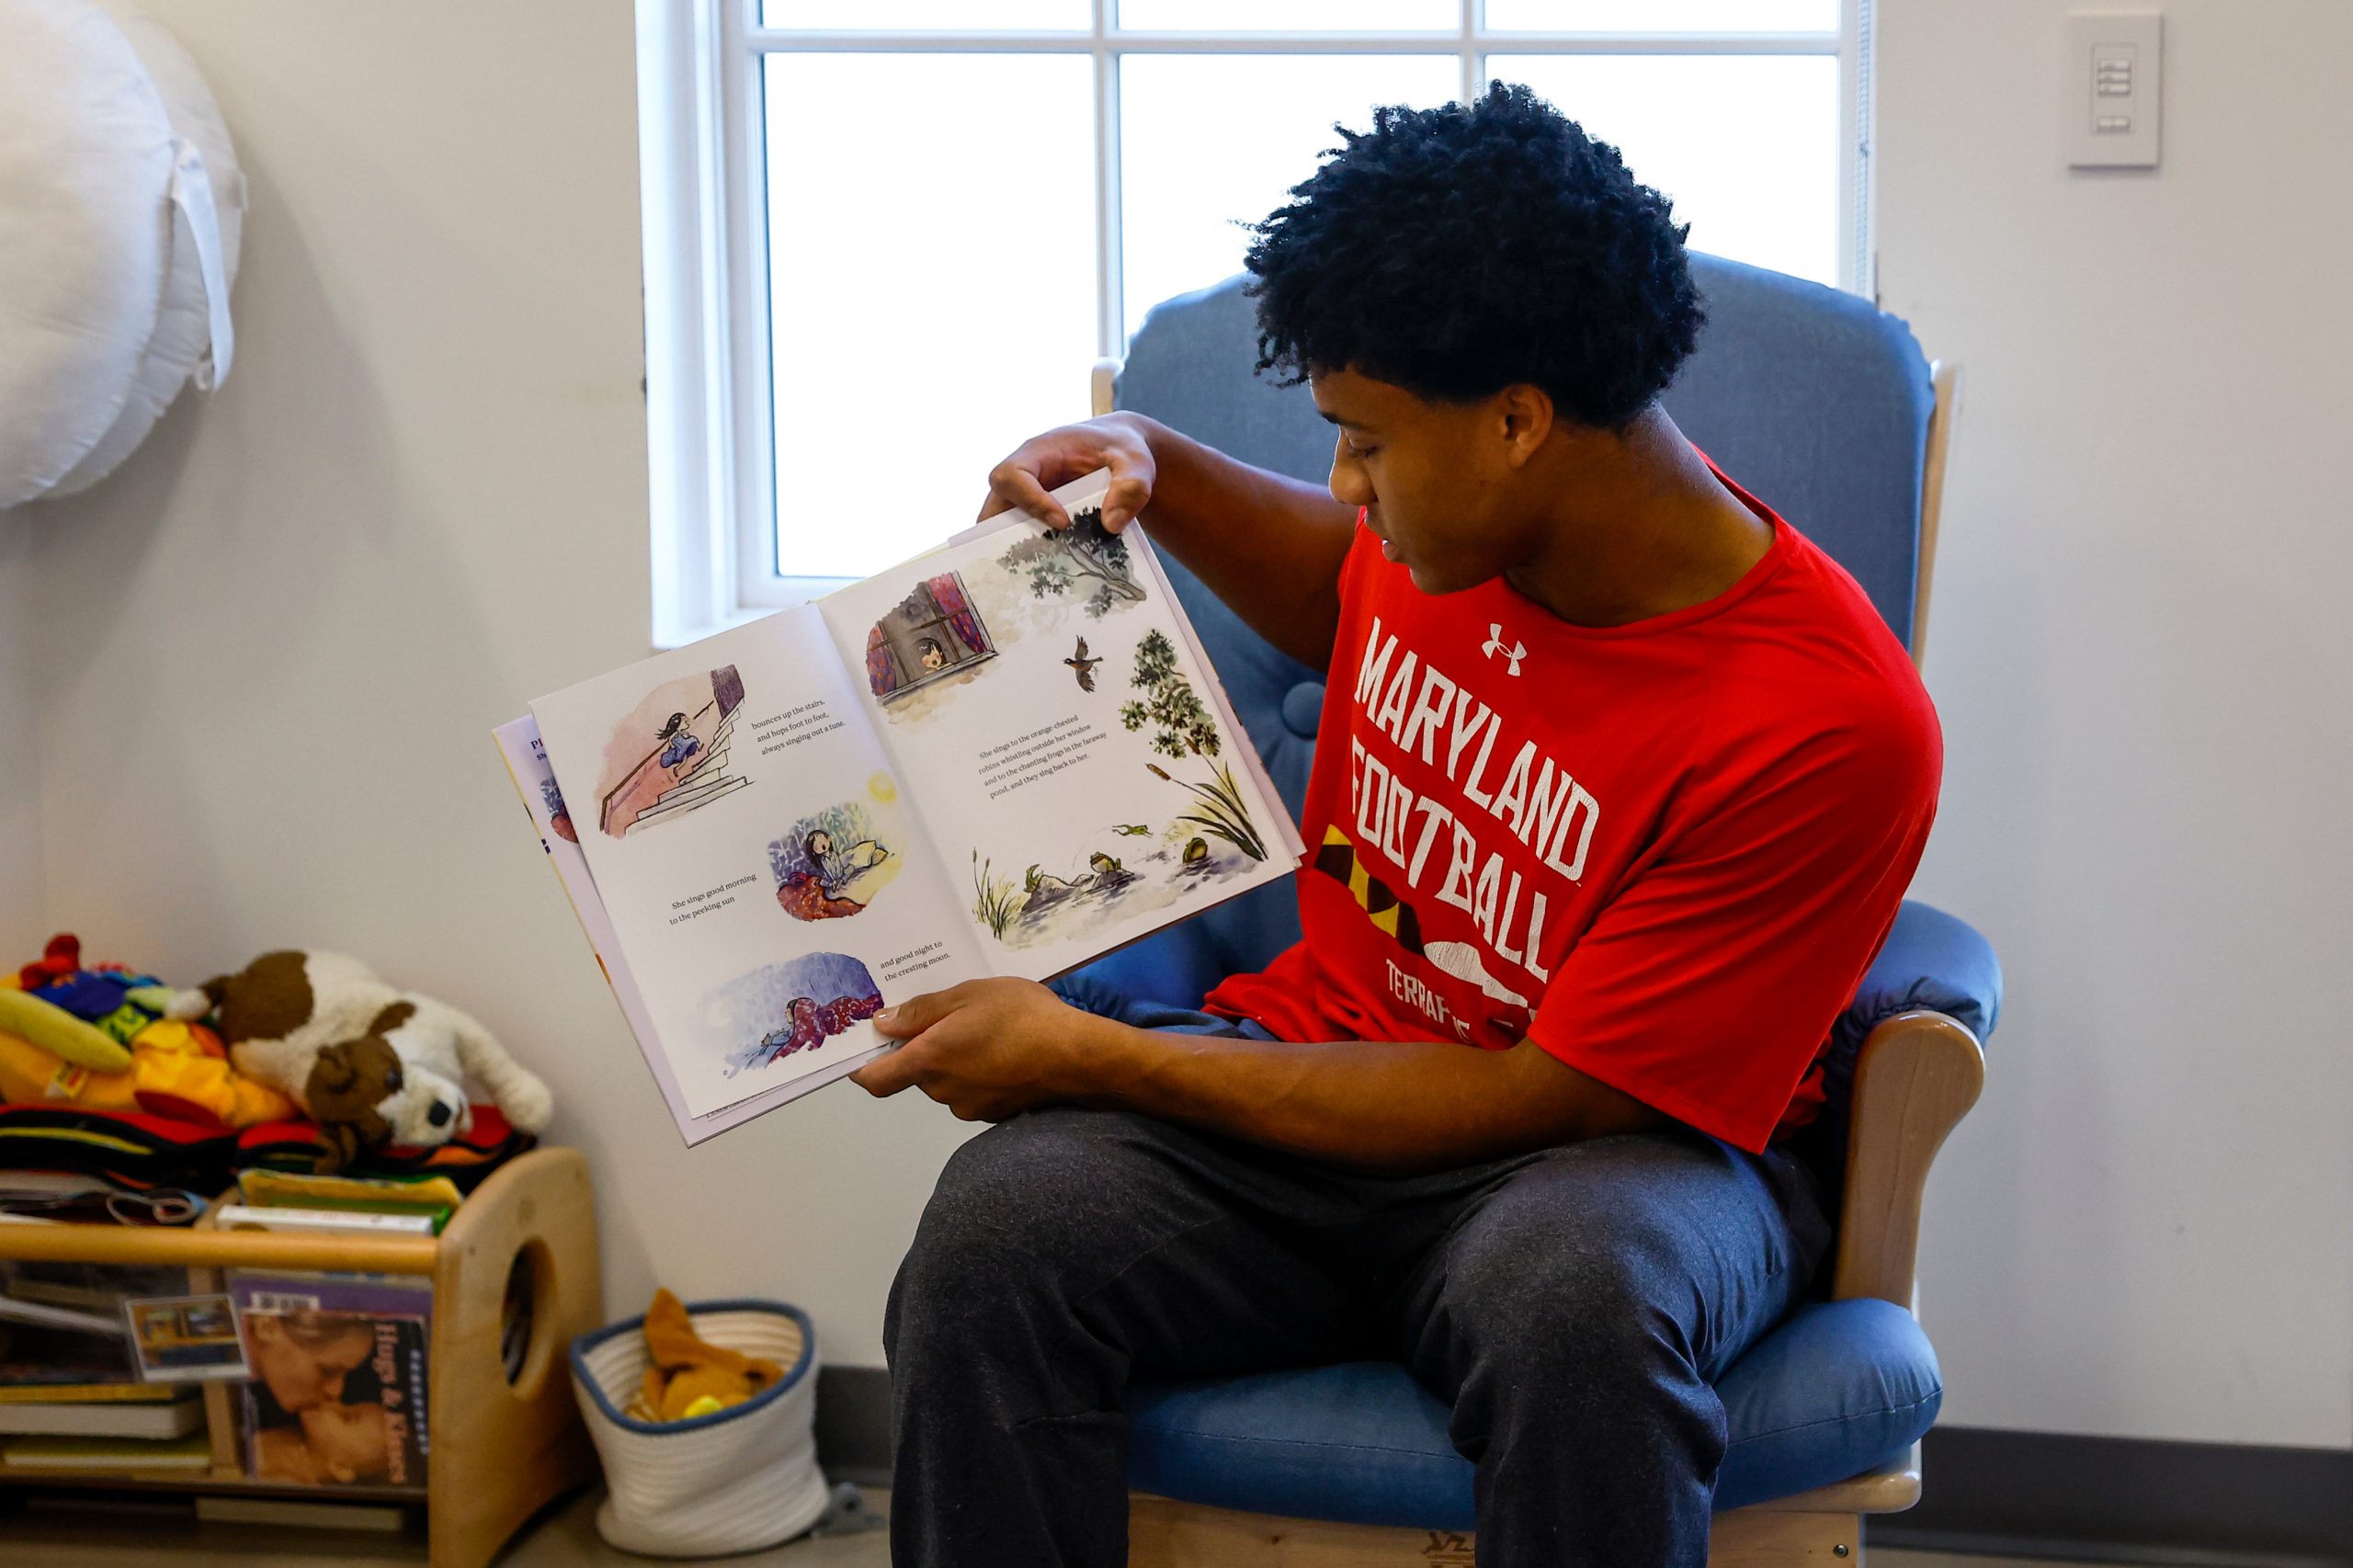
{"x":932,"y":287}
{"x":1663,"y":15}
{"x":1746,"y":146}
{"x":1291,"y":16}
{"x":942,"y":16}
{"x":1208,"y":140}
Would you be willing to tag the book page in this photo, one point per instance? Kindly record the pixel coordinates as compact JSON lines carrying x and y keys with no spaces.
{"x":756,"y":854}
{"x":526,"y":761}
{"x":1077,"y":770}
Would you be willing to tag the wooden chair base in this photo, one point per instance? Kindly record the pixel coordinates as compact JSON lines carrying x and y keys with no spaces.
{"x":1822,"y":1527}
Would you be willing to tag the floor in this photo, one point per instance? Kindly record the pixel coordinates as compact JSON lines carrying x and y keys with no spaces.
{"x":162,"y":1538}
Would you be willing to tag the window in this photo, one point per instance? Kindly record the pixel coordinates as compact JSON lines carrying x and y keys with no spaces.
{"x":885,"y":239}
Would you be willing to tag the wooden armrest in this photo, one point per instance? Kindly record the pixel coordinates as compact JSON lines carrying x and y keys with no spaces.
{"x":1945,"y":380}
{"x":1916,"y":1075}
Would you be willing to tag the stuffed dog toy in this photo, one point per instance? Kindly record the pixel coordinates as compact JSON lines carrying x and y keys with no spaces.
{"x":370,"y":1064}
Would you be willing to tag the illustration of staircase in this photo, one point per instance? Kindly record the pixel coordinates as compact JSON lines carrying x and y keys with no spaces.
{"x":705,"y":782}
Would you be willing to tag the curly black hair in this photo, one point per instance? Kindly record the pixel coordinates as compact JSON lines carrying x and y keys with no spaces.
{"x":1458,"y":251}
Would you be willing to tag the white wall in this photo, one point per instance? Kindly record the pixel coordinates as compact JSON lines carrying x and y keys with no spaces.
{"x":2144,"y":659}
{"x":273,"y":645}
{"x":23,"y":899}
{"x":269,"y":650}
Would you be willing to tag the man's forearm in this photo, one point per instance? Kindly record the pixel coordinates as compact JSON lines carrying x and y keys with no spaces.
{"x":1388,"y":1106}
{"x":1268,"y":546}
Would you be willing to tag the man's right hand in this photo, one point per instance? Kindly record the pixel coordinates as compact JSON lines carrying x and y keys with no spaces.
{"x":1120,"y":442}
{"x":1269,"y":546}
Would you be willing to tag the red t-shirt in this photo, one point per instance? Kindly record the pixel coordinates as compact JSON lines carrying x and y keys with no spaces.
{"x":1665,"y":852}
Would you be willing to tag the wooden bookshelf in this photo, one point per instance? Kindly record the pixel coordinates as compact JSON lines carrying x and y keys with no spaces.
{"x":498,"y":1448}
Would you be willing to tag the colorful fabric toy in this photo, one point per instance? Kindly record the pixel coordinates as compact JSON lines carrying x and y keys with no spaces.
{"x":179,"y":1070}
{"x":103,"y":1039}
{"x":135,"y":1149}
{"x":689,"y":1376}
{"x":59,"y":1033}
{"x":107,"y":999}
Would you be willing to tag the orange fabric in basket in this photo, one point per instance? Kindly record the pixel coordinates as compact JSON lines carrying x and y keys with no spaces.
{"x":687,"y":1367}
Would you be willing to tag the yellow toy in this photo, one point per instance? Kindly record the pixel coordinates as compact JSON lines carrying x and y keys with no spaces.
{"x":173,"y":1069}
{"x":105,"y":1038}
{"x":55,"y":1029}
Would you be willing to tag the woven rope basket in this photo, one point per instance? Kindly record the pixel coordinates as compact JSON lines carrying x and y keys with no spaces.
{"x":742,"y":1479}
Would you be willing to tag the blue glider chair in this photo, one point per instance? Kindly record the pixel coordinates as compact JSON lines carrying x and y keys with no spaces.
{"x":1825,"y":408}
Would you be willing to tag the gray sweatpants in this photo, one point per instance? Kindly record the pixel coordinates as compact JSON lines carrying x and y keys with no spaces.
{"x":1574,"y":1306}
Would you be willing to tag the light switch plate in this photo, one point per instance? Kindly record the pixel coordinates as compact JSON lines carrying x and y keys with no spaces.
{"x":2115,"y":70}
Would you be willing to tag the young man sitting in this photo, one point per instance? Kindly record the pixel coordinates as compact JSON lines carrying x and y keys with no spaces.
{"x":1620,"y":783}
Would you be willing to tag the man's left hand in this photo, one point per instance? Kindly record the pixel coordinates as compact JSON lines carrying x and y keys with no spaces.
{"x":990,"y":1049}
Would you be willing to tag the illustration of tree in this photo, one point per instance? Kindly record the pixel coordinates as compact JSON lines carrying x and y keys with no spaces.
{"x":1069,"y":559}
{"x":1181,"y":724}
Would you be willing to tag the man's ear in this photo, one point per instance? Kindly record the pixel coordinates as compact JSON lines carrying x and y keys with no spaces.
{"x":1527,"y":418}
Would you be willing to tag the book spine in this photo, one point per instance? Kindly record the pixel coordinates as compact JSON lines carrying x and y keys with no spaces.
{"x":241,"y":1216}
{"x":95,"y":1393}
{"x":355,"y":1295}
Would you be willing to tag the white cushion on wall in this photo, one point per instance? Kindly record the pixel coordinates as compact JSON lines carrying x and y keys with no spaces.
{"x":121,"y":209}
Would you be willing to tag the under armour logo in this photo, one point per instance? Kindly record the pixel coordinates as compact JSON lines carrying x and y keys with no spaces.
{"x":1495,"y":644}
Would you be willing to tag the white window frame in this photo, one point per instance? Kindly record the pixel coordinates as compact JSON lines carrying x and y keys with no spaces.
{"x":709,"y":436}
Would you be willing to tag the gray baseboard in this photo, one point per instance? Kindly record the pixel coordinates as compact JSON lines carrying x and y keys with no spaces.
{"x":1999,"y":1494}
{"x":854,"y":1423}
{"x":2128,"y":1500}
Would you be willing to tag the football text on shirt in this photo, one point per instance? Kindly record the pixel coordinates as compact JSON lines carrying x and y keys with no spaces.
{"x":1429,"y":715}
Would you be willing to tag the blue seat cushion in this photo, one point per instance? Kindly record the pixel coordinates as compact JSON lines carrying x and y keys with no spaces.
{"x":1839,"y":1389}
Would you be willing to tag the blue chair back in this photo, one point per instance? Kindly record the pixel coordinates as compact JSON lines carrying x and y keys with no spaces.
{"x":1814,"y":401}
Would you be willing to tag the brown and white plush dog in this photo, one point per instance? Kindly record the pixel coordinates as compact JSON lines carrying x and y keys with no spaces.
{"x":372,"y":1065}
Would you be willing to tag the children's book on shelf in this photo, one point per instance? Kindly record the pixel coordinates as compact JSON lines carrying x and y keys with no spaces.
{"x":333,"y":1222}
{"x":63,"y":1329}
{"x":192,"y":1451}
{"x":1007,"y":756}
{"x":289,"y":1293}
{"x":185,"y":1338}
{"x":95,"y":1393}
{"x":434,"y":1198}
{"x":338,"y":1390}
{"x":169,"y":1418}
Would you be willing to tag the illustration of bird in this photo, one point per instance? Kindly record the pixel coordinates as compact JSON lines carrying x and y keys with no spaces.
{"x":1084,"y":667}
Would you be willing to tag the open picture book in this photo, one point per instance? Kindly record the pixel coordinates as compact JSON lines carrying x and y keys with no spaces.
{"x":1007,"y":756}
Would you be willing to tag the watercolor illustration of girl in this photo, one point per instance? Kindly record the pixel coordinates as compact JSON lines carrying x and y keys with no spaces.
{"x":679,"y":742}
{"x":813,"y":890}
